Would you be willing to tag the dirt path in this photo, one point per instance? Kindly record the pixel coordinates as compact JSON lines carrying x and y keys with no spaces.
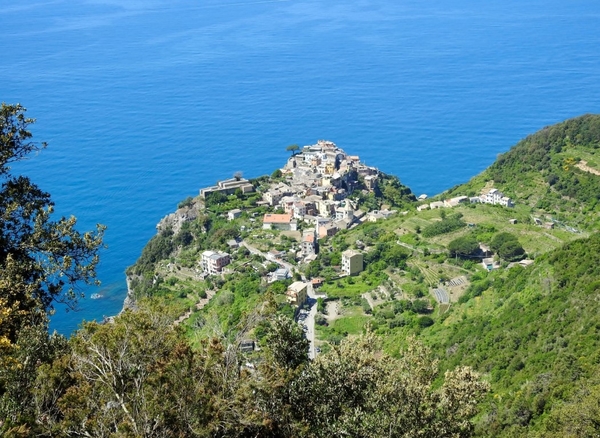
{"x":333,"y":310}
{"x":583,"y":166}
{"x":199,"y":305}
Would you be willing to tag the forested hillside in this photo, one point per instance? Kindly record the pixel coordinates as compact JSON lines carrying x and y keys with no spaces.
{"x":536,"y":333}
{"x":555,"y":170}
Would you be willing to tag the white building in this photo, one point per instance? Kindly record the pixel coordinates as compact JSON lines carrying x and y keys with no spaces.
{"x":234,"y":214}
{"x":308,"y":242}
{"x":352,"y":262}
{"x":496,"y":197}
{"x":213,"y":262}
{"x":280,"y":274}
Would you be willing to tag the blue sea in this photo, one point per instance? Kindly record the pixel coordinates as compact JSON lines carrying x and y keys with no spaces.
{"x":143,"y":102}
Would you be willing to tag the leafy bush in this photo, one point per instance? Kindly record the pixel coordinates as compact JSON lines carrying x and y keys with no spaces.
{"x":225,"y":298}
{"x":507,"y":246}
{"x":187,"y":202}
{"x":425,"y":321}
{"x":420,"y":306}
{"x":320,"y":319}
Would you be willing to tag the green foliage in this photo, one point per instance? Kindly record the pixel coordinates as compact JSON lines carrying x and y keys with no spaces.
{"x":159,"y":247}
{"x":540,"y":345}
{"x":42,"y":260}
{"x":128,"y":378}
{"x":425,"y":321}
{"x":551,"y":153}
{"x":356,"y":390}
{"x":321,"y":305}
{"x":286,"y":343}
{"x":293,"y":148}
{"x":511,"y":251}
{"x":446,"y":225}
{"x":389,"y":191}
{"x":320,"y":319}
{"x":507,"y":246}
{"x":500,"y":239}
{"x":420,"y":306}
{"x":393,"y":192}
{"x":225,"y":298}
{"x":276,"y":174}
{"x":389,"y":252}
{"x":366,"y":306}
{"x":463,"y":246}
{"x":49,"y":256}
{"x":187,"y":202}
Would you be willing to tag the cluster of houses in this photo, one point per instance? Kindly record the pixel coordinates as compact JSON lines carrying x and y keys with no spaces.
{"x":315,"y":189}
{"x":488,"y":196}
{"x":318,"y":181}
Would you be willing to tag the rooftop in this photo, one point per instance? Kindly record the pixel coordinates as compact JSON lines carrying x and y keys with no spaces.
{"x":285,"y":218}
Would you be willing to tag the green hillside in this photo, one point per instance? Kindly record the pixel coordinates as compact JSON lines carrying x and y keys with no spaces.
{"x":531,"y":330}
{"x":555,"y":171}
{"x":536,"y":334}
{"x":461,"y":316}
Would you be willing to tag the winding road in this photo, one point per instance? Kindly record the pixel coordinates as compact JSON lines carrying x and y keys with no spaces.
{"x":312,"y":299}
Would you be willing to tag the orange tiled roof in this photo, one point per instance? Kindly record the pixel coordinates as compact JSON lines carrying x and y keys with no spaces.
{"x":277,"y":218}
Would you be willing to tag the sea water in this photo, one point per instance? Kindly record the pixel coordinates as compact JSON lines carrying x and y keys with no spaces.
{"x":145,"y":102}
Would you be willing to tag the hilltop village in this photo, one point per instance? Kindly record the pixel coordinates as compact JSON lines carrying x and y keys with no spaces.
{"x":313,"y":188}
{"x":291,"y":229}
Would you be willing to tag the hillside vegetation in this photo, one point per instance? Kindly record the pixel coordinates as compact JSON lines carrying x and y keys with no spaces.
{"x":536,"y":333}
{"x":469,"y":319}
{"x":531,"y":330}
{"x":555,"y":171}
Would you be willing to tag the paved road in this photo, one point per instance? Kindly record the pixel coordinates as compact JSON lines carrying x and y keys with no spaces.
{"x":254,"y":250}
{"x":310,"y":322}
{"x":312,"y":299}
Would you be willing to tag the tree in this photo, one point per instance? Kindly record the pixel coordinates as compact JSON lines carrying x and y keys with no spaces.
{"x":358,"y":390}
{"x":50,"y":257}
{"x":276,"y":174}
{"x":500,"y":239}
{"x":293,"y":148}
{"x":507,"y":246}
{"x":463,"y":246}
{"x":286,"y":343}
{"x":511,"y":251}
{"x":41,"y":260}
{"x":579,"y":417}
{"x":133,"y":377}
